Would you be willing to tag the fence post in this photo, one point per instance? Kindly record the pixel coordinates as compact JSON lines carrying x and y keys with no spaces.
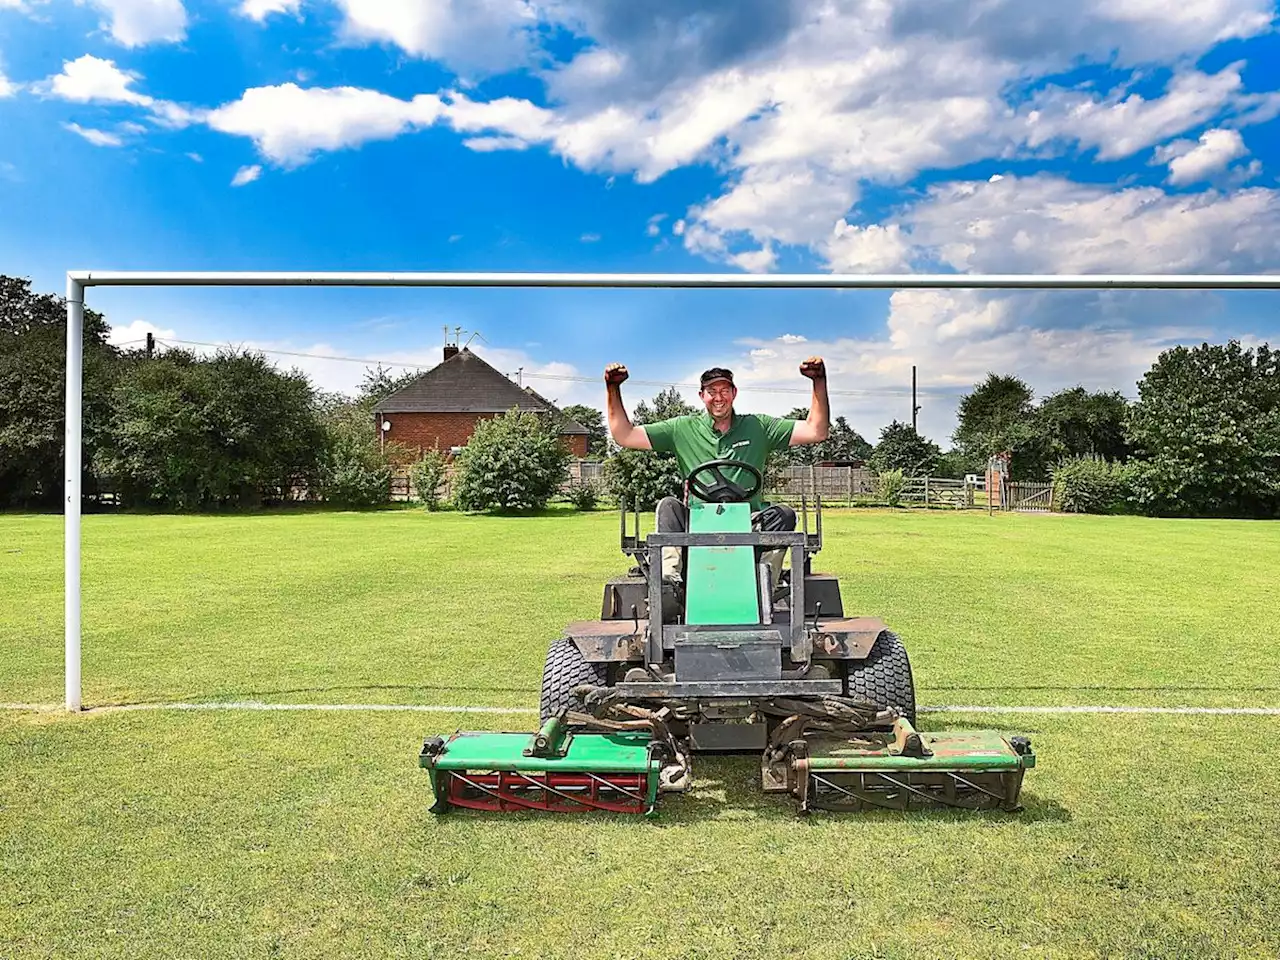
{"x":850,"y":483}
{"x":926,"y":489}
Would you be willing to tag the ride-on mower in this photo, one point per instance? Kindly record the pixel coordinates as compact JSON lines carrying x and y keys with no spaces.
{"x":726,"y":660}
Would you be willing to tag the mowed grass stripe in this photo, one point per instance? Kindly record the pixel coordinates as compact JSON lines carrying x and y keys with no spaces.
{"x":306,"y":835}
{"x":408,"y":607}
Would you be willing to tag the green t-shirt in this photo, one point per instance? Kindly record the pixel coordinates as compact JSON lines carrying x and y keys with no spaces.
{"x":693,"y":439}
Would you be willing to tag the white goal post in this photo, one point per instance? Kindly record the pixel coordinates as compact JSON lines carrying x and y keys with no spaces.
{"x":78,"y":280}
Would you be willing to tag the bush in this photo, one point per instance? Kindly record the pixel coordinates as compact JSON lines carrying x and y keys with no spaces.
{"x":426,"y":476}
{"x":642,"y":477}
{"x":1093,"y":485}
{"x":889,"y":486}
{"x":512,"y":462}
{"x":585,"y":495}
{"x":353,"y":474}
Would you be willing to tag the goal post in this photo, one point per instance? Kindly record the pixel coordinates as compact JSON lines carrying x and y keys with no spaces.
{"x":79,"y":280}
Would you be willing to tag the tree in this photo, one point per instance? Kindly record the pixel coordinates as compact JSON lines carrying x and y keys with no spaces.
{"x":1207,"y":426}
{"x":33,"y":347}
{"x":379,"y":382}
{"x":902,"y":448}
{"x":512,"y":462}
{"x":998,"y":416}
{"x":667,"y":404}
{"x":593,"y":420}
{"x":1077,"y":423}
{"x":842,"y":443}
{"x":643,"y":477}
{"x":189,"y":433}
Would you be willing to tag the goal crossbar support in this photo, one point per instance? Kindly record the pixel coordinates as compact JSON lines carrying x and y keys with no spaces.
{"x":78,"y":280}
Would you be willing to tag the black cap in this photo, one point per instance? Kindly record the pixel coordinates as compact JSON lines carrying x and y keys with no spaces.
{"x":717,"y":373}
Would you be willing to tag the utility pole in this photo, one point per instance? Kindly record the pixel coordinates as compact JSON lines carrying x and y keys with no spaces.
{"x":520,"y":377}
{"x":915,"y":407}
{"x":151,"y":344}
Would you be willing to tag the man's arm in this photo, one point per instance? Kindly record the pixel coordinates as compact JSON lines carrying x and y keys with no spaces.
{"x":816,"y":427}
{"x":624,"y":432}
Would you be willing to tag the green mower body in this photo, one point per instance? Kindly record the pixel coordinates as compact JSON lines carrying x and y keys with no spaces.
{"x":727,"y":660}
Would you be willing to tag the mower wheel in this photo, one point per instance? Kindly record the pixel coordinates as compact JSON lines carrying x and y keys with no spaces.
{"x":884,"y":677}
{"x":565,"y":669}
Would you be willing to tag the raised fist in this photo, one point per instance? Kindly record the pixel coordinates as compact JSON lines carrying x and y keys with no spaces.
{"x":615,"y":373}
{"x":815,"y":368}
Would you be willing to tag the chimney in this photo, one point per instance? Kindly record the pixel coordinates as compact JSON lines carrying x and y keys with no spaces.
{"x":450,"y":350}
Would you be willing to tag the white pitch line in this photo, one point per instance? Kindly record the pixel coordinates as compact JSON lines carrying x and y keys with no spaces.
{"x":441,"y":708}
{"x":1214,"y":711}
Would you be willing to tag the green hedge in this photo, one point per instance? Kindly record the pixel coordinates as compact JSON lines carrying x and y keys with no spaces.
{"x":1093,"y":485}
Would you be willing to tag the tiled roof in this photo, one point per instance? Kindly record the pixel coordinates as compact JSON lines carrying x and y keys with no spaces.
{"x":466,"y":384}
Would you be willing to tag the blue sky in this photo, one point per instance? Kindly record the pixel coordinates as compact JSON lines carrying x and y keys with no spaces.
{"x":757,"y":135}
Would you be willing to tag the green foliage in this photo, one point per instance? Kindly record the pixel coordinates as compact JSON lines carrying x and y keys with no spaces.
{"x":33,"y":394}
{"x":593,"y":420}
{"x":667,"y":404}
{"x":954,"y":465}
{"x":585,"y":495}
{"x":642,"y":477}
{"x":353,"y":473}
{"x":512,"y":462}
{"x":998,"y":416}
{"x":1207,"y":425}
{"x":1090,"y":484}
{"x":426,"y":476}
{"x":843,"y":443}
{"x":1076,"y":423}
{"x":902,"y":448}
{"x":188,"y":433}
{"x":889,"y":484}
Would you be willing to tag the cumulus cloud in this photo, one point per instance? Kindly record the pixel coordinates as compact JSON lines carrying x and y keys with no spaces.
{"x":1215,"y":151}
{"x":478,"y":35}
{"x":99,"y":138}
{"x":7,"y":87}
{"x":259,"y":10}
{"x":135,"y":23}
{"x":289,"y":124}
{"x":91,"y":79}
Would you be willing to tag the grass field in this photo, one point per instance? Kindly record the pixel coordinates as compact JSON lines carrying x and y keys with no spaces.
{"x":229,"y":833}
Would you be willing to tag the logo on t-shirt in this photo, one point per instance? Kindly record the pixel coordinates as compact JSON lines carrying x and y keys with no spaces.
{"x":741,"y":443}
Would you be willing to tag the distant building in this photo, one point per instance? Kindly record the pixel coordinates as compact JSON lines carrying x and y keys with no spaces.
{"x":442,"y":407}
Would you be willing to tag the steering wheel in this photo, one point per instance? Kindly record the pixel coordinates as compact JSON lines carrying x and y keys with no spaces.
{"x":722,"y":490}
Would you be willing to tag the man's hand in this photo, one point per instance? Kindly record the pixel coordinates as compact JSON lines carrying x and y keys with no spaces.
{"x":615,"y":373}
{"x":815,"y":368}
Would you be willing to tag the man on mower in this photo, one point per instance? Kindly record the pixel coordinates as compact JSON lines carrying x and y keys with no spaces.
{"x":720,"y":434}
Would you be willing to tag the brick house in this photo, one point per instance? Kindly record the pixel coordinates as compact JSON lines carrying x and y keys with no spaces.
{"x":441,"y":407}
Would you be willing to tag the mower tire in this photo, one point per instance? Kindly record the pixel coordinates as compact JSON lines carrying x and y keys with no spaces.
{"x":884,"y":677}
{"x":565,"y":669}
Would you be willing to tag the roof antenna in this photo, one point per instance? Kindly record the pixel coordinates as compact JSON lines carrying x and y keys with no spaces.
{"x":472,"y":337}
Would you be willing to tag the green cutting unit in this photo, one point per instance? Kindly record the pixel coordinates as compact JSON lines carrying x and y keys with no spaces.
{"x":732,"y":659}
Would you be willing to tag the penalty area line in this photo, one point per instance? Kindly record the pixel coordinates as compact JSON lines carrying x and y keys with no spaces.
{"x":251,"y":705}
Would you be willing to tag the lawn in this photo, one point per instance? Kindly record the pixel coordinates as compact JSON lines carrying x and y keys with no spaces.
{"x":230,"y":833}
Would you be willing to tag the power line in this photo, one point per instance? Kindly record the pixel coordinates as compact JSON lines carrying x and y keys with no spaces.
{"x":866,"y":392}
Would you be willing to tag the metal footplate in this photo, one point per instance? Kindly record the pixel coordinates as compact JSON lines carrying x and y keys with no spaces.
{"x":900,"y":770}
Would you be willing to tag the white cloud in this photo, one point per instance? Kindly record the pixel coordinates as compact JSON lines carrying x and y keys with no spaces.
{"x":134,"y":332}
{"x":1217,"y":148}
{"x":1120,"y":127}
{"x":1046,"y":224}
{"x":755,"y":261}
{"x":195,"y":157}
{"x":246,"y":175}
{"x":135,"y":23}
{"x":259,"y":10}
{"x":492,"y":144}
{"x":99,"y":138}
{"x":7,"y":87}
{"x":870,"y":249}
{"x":90,"y":79}
{"x":590,"y":238}
{"x":654,"y":224}
{"x":289,"y":124}
{"x":469,"y":34}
